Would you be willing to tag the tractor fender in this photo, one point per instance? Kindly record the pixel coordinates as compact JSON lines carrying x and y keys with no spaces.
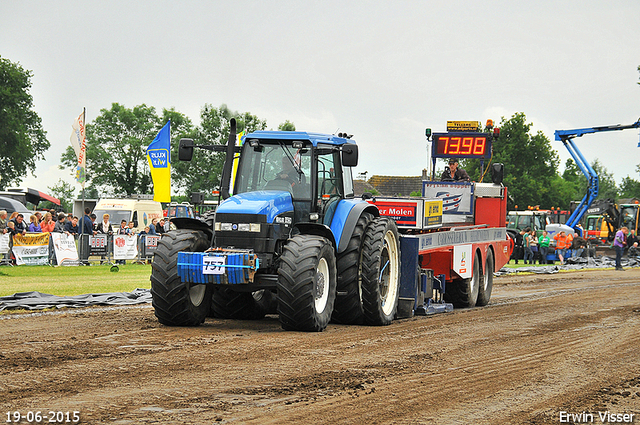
{"x":346,"y":217}
{"x":316,"y":229}
{"x":192,"y":224}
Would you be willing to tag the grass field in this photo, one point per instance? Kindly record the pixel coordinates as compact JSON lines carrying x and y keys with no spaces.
{"x":73,"y":280}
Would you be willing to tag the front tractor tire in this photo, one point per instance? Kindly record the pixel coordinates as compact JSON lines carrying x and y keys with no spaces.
{"x":306,"y":283}
{"x":177,"y":303}
{"x":380,"y":265}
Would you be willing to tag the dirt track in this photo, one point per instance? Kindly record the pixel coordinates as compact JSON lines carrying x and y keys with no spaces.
{"x":546,"y":344}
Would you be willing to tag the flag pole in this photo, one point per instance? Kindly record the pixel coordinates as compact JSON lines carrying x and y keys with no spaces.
{"x":84,"y":125}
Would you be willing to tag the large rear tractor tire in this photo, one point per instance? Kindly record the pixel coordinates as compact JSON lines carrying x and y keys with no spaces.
{"x":348,"y":306}
{"x":209,"y":218}
{"x":227,"y":303}
{"x":177,"y":303}
{"x":380,"y":271}
{"x":464,"y":292}
{"x":486,"y":284}
{"x":306,"y":283}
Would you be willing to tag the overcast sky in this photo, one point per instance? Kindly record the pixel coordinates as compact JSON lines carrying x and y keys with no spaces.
{"x":380,"y":70}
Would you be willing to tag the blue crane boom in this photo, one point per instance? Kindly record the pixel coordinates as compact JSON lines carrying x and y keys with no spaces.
{"x":566,"y":137}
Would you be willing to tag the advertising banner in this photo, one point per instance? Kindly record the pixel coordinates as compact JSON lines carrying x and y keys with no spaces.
{"x":65,"y":249}
{"x":79,"y":143}
{"x":31,"y":249}
{"x":159,"y":158}
{"x":125,"y":247}
{"x":457,"y":197}
{"x":4,"y":243}
{"x":405,"y":212}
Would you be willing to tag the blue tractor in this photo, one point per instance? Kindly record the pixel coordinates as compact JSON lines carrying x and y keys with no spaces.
{"x":292,"y":240}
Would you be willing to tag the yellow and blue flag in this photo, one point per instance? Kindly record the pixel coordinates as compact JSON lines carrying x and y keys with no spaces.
{"x":159,"y":157}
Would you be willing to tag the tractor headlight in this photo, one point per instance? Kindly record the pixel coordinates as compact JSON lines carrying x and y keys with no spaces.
{"x":249,"y":227}
{"x":240,"y":227}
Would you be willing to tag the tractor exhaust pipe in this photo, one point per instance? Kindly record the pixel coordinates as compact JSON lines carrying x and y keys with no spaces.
{"x":228,"y":162}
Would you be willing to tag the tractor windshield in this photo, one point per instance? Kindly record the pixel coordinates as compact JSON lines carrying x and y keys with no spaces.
{"x":276,"y":166}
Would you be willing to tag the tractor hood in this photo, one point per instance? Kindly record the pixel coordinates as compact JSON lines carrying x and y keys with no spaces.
{"x":269,"y":203}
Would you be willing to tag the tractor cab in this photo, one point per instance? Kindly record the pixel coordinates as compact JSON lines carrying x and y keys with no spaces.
{"x":314,"y":171}
{"x":285,"y":181}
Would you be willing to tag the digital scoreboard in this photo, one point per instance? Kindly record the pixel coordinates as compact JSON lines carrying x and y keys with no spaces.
{"x":461,"y":145}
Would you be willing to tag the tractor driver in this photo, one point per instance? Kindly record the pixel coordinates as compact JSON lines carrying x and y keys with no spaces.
{"x":288,"y":173}
{"x":454,"y":173}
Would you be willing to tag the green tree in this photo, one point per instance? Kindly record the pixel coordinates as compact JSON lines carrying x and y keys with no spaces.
{"x":63,"y":191}
{"x":530,"y":164}
{"x":116,"y":143}
{"x":629,"y":188}
{"x":607,"y":188}
{"x":202,"y":173}
{"x":22,"y":138}
{"x":287,"y":126}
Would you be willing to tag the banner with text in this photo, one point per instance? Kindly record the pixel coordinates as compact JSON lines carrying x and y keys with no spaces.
{"x":65,"y":249}
{"x":125,"y":247}
{"x":4,"y":243}
{"x":31,"y":249}
{"x":159,"y":157}
{"x":79,"y":143}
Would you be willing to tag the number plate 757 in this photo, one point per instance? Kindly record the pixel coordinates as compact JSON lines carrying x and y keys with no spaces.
{"x":213,"y":265}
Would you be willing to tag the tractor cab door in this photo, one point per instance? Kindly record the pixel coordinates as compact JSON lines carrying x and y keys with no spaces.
{"x":329,"y":184}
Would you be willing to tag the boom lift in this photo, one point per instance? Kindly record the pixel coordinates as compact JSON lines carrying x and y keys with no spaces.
{"x":566,"y":137}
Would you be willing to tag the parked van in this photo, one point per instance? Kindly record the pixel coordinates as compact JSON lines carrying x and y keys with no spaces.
{"x":11,"y":205}
{"x":140,"y":211}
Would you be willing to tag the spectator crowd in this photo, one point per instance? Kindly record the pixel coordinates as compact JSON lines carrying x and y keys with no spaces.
{"x":72,"y":225}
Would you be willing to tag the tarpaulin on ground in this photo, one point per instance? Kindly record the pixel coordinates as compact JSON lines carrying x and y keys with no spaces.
{"x":573,"y":263}
{"x":37,"y":300}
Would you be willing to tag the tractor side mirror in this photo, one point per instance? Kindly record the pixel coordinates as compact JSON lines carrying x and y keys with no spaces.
{"x":349,"y":155}
{"x":185,"y":149}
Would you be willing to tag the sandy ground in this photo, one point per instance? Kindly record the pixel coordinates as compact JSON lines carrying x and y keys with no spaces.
{"x":547,"y":346}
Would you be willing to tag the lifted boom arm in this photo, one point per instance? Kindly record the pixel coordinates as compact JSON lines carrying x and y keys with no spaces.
{"x":566,"y":136}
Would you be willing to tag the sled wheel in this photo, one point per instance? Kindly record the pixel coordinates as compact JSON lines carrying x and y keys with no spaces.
{"x":306,"y":283}
{"x":486,"y":284}
{"x":380,"y":271}
{"x":177,"y":303}
{"x":348,"y":305}
{"x":464,"y":292}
